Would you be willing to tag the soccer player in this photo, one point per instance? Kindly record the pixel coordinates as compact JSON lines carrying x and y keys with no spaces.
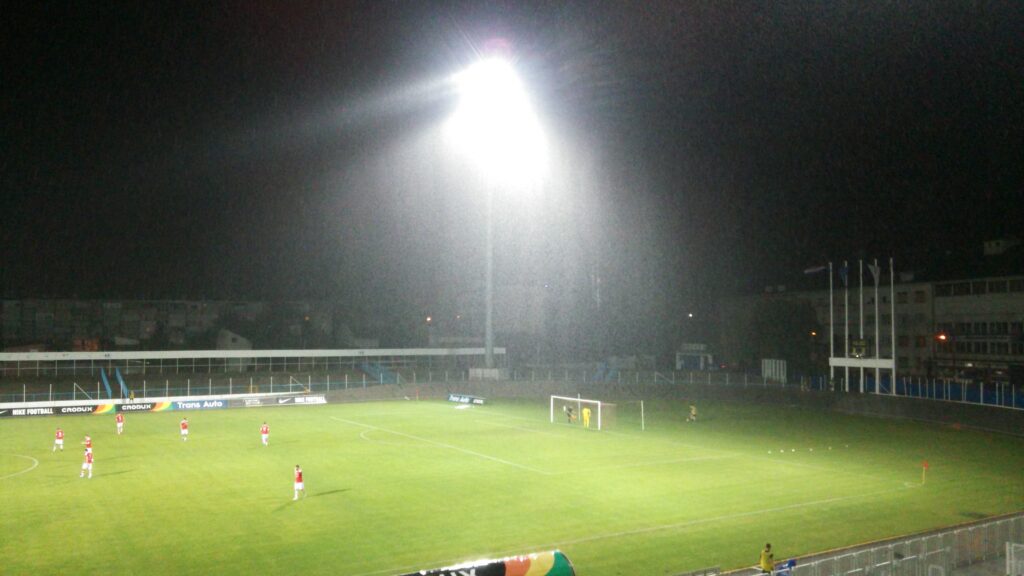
{"x":88,"y":443}
{"x":265,"y":434}
{"x":569,"y":414}
{"x":767,"y":561}
{"x":693,"y":413}
{"x":87,"y":464}
{"x":184,"y":429}
{"x":586,"y":417}
{"x":120,"y":422}
{"x":299,"y":486}
{"x":58,"y":440}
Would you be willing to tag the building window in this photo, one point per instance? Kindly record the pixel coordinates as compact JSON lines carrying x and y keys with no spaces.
{"x":1018,"y":348}
{"x":920,"y":342}
{"x":963,"y":329}
{"x":996,"y":286}
{"x":962,"y":347}
{"x":1000,"y":348}
{"x":980,"y":347}
{"x":980,"y":329}
{"x":903,"y":341}
{"x":901,"y":297}
{"x":942,"y":290}
{"x":920,"y":296}
{"x":1016,"y":328}
{"x":998,"y":328}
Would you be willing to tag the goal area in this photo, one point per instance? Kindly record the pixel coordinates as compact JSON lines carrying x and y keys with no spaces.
{"x":587,"y":413}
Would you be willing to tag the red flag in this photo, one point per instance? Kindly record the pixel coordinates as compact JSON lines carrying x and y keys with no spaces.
{"x":924,"y":464}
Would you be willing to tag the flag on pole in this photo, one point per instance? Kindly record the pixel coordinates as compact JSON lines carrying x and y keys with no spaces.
{"x":844,"y":270}
{"x":875,"y":272}
{"x":816,"y":269}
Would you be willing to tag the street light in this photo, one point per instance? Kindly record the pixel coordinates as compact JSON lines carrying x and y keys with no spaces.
{"x":948,"y":341}
{"x":495,"y":125}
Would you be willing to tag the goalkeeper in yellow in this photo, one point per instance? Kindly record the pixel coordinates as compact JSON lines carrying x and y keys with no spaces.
{"x":586,"y":417}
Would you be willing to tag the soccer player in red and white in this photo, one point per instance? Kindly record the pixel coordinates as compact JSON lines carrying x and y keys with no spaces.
{"x":184,"y":429}
{"x":58,"y":440}
{"x":87,"y":443}
{"x":299,"y":486}
{"x":265,"y":434}
{"x":120,"y":422}
{"x":87,"y":464}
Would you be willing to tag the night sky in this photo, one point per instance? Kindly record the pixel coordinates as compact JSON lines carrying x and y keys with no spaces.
{"x":287,"y":150}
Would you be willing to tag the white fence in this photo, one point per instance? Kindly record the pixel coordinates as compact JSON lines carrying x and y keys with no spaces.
{"x":938,"y":554}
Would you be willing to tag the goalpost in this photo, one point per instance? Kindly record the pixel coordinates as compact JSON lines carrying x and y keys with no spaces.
{"x":602,"y":414}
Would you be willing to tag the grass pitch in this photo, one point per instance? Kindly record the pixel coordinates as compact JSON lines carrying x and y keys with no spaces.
{"x":393,"y":487}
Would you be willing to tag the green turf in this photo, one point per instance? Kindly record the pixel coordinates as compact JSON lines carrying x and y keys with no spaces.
{"x":399,"y":486}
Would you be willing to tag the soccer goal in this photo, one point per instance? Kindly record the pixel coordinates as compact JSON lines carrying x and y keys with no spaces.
{"x":1014,"y":559}
{"x":594,"y":414}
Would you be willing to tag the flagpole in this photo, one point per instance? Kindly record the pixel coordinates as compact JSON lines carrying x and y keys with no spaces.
{"x":831,"y":330}
{"x":892,"y":312}
{"x":878,"y":322}
{"x":846,"y":327}
{"x":860,"y":267}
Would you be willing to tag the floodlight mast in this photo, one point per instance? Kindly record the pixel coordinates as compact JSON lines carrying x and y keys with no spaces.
{"x":495,"y":124}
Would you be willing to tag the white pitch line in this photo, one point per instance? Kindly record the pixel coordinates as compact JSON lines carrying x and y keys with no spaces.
{"x":725,"y":453}
{"x":443,"y":445}
{"x":535,"y":431}
{"x":649,"y":529}
{"x":614,"y":466}
{"x":364,"y":436}
{"x":29,"y":469}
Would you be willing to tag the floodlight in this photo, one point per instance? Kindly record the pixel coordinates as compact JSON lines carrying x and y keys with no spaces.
{"x":495,"y":124}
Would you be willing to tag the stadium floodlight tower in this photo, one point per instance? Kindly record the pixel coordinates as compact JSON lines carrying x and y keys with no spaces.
{"x":495,"y":125}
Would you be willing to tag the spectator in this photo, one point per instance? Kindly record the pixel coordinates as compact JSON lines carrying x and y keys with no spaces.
{"x":767,"y":562}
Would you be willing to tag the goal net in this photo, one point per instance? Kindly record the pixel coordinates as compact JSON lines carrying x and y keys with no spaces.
{"x":1014,"y":559}
{"x":582,"y":412}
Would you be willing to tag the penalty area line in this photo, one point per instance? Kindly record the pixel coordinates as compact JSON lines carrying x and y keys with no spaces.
{"x":26,"y":470}
{"x":443,"y":445}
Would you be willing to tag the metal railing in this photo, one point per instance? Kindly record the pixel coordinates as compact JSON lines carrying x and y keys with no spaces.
{"x":988,"y":394}
{"x":938,"y":554}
